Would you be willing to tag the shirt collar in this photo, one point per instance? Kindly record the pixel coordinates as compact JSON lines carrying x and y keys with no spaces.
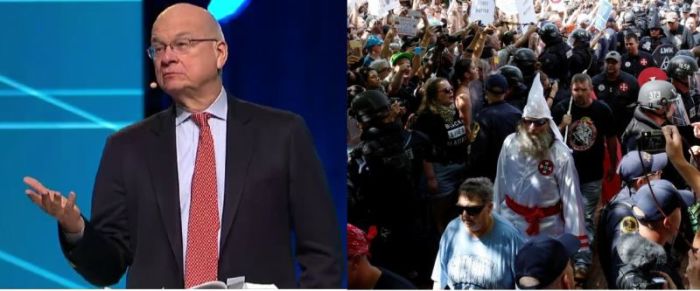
{"x":218,"y":109}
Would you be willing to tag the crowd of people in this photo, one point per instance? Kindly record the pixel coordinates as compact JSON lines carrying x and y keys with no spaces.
{"x":533,"y":155}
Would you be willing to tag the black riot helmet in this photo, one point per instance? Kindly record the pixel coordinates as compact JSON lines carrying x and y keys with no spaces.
{"x":549,"y":33}
{"x":681,"y":67}
{"x":371,"y":106}
{"x":581,"y":35}
{"x":654,"y":19}
{"x":513,"y":75}
{"x":524,"y":58}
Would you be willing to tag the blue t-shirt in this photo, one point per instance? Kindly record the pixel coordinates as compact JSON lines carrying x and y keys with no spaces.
{"x":465,"y":261}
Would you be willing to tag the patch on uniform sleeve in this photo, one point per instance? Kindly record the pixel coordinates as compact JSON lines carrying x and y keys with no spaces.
{"x":546,"y":167}
{"x":569,"y":53}
{"x":629,"y":224}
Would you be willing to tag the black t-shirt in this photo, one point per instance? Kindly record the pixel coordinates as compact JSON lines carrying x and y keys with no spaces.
{"x":448,"y":138}
{"x":620,"y":94}
{"x":635,"y":64}
{"x":389,"y":280}
{"x":589,"y":126}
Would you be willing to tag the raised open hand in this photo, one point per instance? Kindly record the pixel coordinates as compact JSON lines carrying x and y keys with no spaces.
{"x":56,"y":205}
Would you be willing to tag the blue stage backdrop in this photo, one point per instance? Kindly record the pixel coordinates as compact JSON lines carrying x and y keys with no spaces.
{"x":72,"y":72}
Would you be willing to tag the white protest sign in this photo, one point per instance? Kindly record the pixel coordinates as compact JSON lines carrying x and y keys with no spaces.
{"x":408,"y":25}
{"x":601,"y":18}
{"x":526,"y":11}
{"x":508,"y":7}
{"x":483,"y":10}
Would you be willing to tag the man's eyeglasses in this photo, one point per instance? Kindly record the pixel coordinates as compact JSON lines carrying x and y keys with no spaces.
{"x":536,"y":122}
{"x":179,"y":46}
{"x":471,"y":210}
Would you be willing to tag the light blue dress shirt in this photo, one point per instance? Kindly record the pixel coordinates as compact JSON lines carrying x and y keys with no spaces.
{"x":187,"y":141}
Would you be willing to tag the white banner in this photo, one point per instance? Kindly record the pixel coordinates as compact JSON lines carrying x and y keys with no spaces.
{"x":483,"y":10}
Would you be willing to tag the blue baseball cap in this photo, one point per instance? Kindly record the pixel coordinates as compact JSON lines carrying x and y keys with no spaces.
{"x":632,"y":167}
{"x":650,"y":207}
{"x":544,"y":258}
{"x":497,"y":84}
{"x":372,"y":41}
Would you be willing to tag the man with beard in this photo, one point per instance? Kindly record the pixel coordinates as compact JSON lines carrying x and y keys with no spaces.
{"x":589,"y":133}
{"x":537,"y":187}
{"x":478,"y":248}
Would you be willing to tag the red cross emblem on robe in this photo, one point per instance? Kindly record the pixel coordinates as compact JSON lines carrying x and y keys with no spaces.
{"x":546,"y":167}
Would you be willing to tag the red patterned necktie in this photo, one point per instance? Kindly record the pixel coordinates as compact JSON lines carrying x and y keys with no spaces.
{"x":201,"y":263}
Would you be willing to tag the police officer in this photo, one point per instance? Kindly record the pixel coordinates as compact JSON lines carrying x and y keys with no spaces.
{"x":628,"y":26}
{"x":636,"y":169}
{"x":656,"y":106}
{"x":526,"y":60}
{"x":680,"y":69}
{"x":582,"y":56}
{"x":656,"y":35}
{"x":554,"y":56}
{"x":657,"y":208}
{"x":618,"y":89}
{"x":517,"y":90}
{"x":382,"y":178}
{"x":635,"y":60}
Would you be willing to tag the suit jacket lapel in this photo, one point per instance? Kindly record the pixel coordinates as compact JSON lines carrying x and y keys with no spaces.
{"x":240,"y":139}
{"x":162,"y":155}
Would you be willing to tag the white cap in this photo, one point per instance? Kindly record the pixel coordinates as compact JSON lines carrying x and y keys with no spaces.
{"x":537,"y":108}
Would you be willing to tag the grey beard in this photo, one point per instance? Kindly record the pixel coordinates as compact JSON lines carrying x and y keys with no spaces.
{"x":534,"y":145}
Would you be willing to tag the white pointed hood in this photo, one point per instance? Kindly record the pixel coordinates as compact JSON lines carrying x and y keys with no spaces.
{"x":536,"y":106}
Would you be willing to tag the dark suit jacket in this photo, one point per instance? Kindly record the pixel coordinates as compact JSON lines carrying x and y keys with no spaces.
{"x":274,"y":184}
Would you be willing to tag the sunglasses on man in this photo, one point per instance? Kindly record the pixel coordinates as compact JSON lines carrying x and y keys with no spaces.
{"x":536,"y":122}
{"x":471,"y":210}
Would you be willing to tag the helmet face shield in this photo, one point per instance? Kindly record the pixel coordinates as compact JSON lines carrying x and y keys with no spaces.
{"x":694,"y":82}
{"x":676,"y":113}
